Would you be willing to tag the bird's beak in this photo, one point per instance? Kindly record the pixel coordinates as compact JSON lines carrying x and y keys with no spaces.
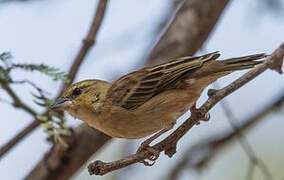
{"x":60,"y":103}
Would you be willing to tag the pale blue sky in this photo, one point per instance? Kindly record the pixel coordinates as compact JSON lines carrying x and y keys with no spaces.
{"x":52,"y":31}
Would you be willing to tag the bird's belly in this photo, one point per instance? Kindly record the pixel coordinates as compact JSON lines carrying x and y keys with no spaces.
{"x":128,"y":126}
{"x":117,"y":122}
{"x":160,"y":112}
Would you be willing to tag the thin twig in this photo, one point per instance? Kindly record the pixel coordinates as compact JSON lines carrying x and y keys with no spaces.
{"x":17,"y":102}
{"x":88,"y":42}
{"x":169,"y":144}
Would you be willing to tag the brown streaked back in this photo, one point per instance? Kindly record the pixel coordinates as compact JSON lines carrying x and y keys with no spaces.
{"x":134,"y":89}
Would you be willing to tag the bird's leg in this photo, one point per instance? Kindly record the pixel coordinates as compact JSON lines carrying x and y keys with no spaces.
{"x":145,"y":146}
{"x":197,"y":112}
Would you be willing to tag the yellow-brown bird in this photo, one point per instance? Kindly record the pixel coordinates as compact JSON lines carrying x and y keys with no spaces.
{"x":150,"y":99}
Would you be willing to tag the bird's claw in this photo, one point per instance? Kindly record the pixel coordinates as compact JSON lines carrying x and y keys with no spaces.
{"x":154,"y":154}
{"x":199,"y":114}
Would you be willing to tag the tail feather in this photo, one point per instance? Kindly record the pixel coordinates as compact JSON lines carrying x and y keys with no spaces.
{"x":240,"y":63}
{"x":245,"y":58}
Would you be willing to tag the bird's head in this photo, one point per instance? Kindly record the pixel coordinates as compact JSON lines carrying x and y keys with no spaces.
{"x":81,"y":96}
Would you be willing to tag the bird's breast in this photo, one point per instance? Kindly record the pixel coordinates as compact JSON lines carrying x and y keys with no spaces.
{"x":159,"y":112}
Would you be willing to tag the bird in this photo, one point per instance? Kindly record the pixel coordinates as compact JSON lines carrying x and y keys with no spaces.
{"x":149,"y":100}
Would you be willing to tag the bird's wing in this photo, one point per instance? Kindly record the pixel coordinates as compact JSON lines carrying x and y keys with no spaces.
{"x":136,"y":88}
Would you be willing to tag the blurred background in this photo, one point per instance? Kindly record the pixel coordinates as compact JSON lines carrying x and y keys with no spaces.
{"x":51,"y":32}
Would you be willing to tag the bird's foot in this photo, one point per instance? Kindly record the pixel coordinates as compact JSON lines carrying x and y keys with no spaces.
{"x":154,"y":153}
{"x":199,"y":114}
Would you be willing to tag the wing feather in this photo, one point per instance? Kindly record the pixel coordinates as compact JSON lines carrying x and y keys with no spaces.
{"x":136,"y":88}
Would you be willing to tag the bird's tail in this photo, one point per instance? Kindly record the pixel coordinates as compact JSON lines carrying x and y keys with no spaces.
{"x":223,"y":67}
{"x":239,"y":63}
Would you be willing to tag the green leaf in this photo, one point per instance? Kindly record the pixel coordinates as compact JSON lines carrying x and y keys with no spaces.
{"x":4,"y":75}
{"x":55,"y":73}
{"x":41,"y":97}
{"x":50,"y":132}
{"x":40,"y":103}
{"x":47,"y":126}
{"x":42,"y":118}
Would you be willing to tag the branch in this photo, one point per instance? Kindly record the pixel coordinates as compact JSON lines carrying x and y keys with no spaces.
{"x":17,"y":102}
{"x":190,"y":28}
{"x":169,"y":144}
{"x":61,"y":163}
{"x":88,"y":42}
{"x":218,"y":142}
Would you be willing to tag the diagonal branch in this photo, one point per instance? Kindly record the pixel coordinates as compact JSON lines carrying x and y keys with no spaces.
{"x":169,"y":144}
{"x":88,"y":42}
{"x":217,"y":142}
{"x":62,"y":163}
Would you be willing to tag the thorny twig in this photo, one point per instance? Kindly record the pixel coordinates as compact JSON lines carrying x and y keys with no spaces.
{"x":169,"y":144}
{"x":88,"y":42}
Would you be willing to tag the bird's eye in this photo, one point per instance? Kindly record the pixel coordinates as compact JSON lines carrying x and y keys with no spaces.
{"x":77,"y":91}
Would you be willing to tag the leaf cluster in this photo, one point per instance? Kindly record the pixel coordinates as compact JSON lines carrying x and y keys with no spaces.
{"x":7,"y":66}
{"x":54,"y":123}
